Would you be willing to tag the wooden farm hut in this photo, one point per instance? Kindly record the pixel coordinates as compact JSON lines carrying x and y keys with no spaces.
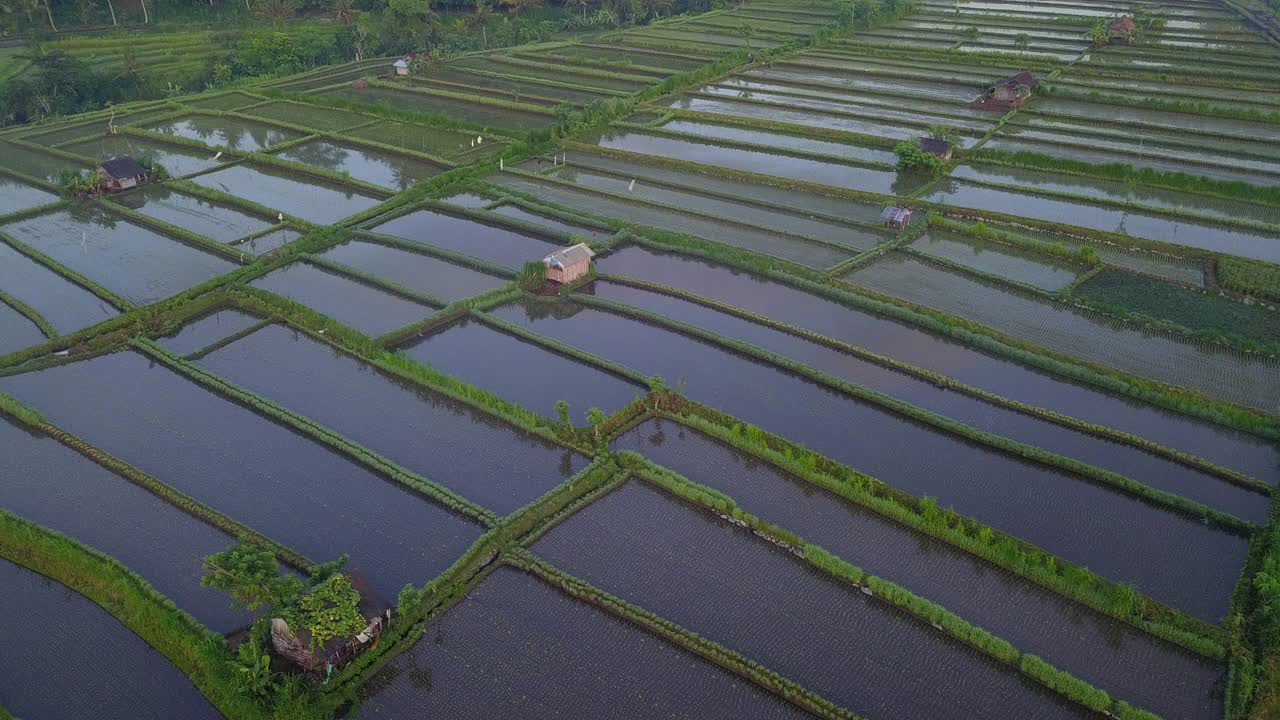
{"x":401,"y":66}
{"x":1009,"y":90}
{"x":896,"y":217}
{"x":122,"y":173}
{"x":565,"y":266}
{"x":940,"y":148}
{"x":1121,"y":30}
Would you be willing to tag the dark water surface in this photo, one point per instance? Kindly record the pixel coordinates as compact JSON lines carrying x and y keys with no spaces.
{"x":517,"y":647}
{"x":1111,"y":654}
{"x":280,"y":483}
{"x":724,"y":583}
{"x":476,"y":455}
{"x":65,"y":658}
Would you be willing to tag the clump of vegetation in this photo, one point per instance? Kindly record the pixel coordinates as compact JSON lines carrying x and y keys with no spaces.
{"x":913,"y":157}
{"x":81,"y":184}
{"x":1251,"y":277}
{"x":251,"y":576}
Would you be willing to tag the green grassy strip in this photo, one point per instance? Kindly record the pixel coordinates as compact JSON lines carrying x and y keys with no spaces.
{"x":198,"y":652}
{"x":1036,"y":248}
{"x":384,"y":147}
{"x":111,"y":298}
{"x":409,"y":624}
{"x":320,"y":433}
{"x":650,"y":73}
{"x":755,"y":147}
{"x":175,"y":232}
{"x":1201,"y":108}
{"x":1113,"y":480}
{"x":1029,"y":116}
{"x":55,"y":152}
{"x":620,"y":197}
{"x":689,"y":641}
{"x":446,"y":315}
{"x":572,"y":69}
{"x":468,"y":261}
{"x":34,"y":420}
{"x":465,"y":97}
{"x":375,"y":281}
{"x":975,"y":335}
{"x":324,"y":329}
{"x":1251,"y":277}
{"x":882,"y":589}
{"x":228,"y":340}
{"x":1231,"y":189}
{"x":30,"y":180}
{"x":527,"y":227}
{"x":1253,"y":628}
{"x":616,"y":368}
{"x":252,"y":207}
{"x":556,"y":213}
{"x":1005,"y":551}
{"x":996,"y":278}
{"x":537,"y":82}
{"x":941,"y":380}
{"x":782,"y":128}
{"x":29,"y":313}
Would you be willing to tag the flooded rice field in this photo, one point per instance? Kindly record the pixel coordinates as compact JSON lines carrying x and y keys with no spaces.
{"x":309,"y":198}
{"x":67,"y":306}
{"x":549,"y":648}
{"x":225,"y":132}
{"x":193,"y":213}
{"x":139,"y":264}
{"x":721,"y":582}
{"x":282,"y":484}
{"x":461,"y":234}
{"x":370,"y":309}
{"x":201,"y":332}
{"x":483,"y":459}
{"x":416,"y":270}
{"x":378,"y":167}
{"x":521,"y":371}
{"x":112,"y":673}
{"x":16,"y":195}
{"x":177,"y":160}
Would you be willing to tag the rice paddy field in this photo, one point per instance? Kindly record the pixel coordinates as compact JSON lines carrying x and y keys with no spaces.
{"x":765,"y":450}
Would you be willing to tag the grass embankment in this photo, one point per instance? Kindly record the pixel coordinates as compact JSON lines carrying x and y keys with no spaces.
{"x":886,"y":591}
{"x":197,"y":651}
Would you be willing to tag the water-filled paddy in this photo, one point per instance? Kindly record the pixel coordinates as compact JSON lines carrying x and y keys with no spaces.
{"x":765,"y":163}
{"x":17,"y":331}
{"x":419,"y":271}
{"x":366,"y":308}
{"x":551,"y":223}
{"x":266,"y":243}
{"x":1108,"y":532}
{"x":782,"y":141}
{"x":309,"y":198}
{"x":277,"y":482}
{"x":521,"y":371}
{"x":469,"y":237}
{"x":50,"y":484}
{"x":231,"y":133}
{"x":190,"y":212}
{"x":725,"y":584}
{"x":1088,"y":644}
{"x":36,"y":164}
{"x":999,"y":375}
{"x":132,"y":261}
{"x":67,"y":306}
{"x":789,"y":247}
{"x":1145,"y":224}
{"x":111,"y":673}
{"x":484,"y":459}
{"x":475,"y":112}
{"x":16,"y":195}
{"x":177,"y":160}
{"x":518,"y":647}
{"x":204,"y":331}
{"x":1217,"y":372}
{"x":996,"y":259}
{"x":379,"y":167}
{"x":1144,"y":467}
{"x":432,"y":141}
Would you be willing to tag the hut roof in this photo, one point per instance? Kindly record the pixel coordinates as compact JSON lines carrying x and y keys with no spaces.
{"x":401,"y":63}
{"x":1026,"y":77}
{"x":569,"y":256}
{"x":895,"y":214}
{"x":123,"y":167}
{"x":1123,"y":24}
{"x":937,"y":147}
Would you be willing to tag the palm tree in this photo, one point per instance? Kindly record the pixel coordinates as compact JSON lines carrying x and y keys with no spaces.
{"x":745,"y":31}
{"x":1098,"y":34}
{"x":481,"y":19}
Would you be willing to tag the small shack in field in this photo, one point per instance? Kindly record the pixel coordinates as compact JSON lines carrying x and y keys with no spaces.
{"x":940,"y":148}
{"x":122,"y":173}
{"x":1121,"y":30}
{"x":896,"y":217}
{"x":565,"y":266}
{"x":1013,"y":90}
{"x":401,"y":66}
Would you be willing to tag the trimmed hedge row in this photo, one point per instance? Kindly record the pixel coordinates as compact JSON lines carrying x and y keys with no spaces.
{"x":320,"y":433}
{"x":943,"y":424}
{"x":951,"y":384}
{"x":887,"y":591}
{"x":1000,"y":549}
{"x":29,"y":313}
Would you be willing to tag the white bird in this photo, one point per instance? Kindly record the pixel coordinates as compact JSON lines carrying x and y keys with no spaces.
{"x":479,"y":140}
{"x":502,"y":166}
{"x":280,"y":217}
{"x":218,"y":155}
{"x":632,"y":186}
